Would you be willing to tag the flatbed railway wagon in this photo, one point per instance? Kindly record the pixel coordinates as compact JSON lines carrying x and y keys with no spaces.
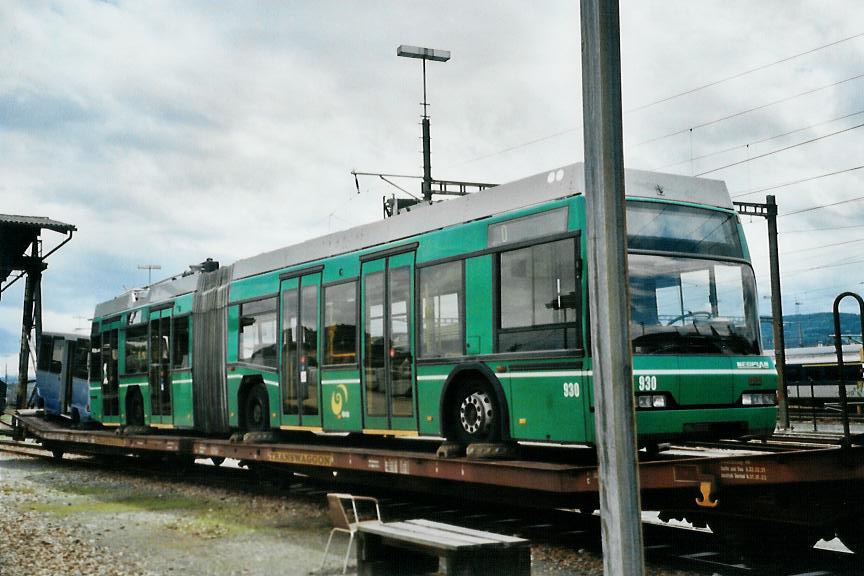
{"x":62,"y":386}
{"x":465,"y":319}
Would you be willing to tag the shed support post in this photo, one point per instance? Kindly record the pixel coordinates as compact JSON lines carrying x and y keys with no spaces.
{"x":32,"y":290}
{"x":620,"y":510}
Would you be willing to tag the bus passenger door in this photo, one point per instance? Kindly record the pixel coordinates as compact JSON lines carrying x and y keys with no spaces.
{"x":66,"y":375}
{"x":388,"y":343}
{"x":159,"y":373}
{"x":299,"y":373}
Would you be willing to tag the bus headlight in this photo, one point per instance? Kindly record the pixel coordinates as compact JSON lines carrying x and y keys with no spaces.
{"x":651,"y":401}
{"x":758,"y":399}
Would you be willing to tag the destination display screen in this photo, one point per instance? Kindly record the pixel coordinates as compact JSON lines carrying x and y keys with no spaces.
{"x":661,"y":227}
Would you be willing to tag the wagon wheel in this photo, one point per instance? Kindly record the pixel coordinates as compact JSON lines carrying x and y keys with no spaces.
{"x":851,"y":532}
{"x":758,"y":540}
{"x":256,"y":410}
{"x":474,"y":414}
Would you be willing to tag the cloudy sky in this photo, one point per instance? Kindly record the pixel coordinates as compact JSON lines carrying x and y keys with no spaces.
{"x":173,"y":131}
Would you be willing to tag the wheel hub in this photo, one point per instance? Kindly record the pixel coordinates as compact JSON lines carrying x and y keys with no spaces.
{"x":475,"y":413}
{"x":256,"y":413}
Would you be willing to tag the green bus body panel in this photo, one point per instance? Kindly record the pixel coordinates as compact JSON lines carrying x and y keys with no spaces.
{"x":182,"y":400}
{"x":233,"y":334}
{"x":478,"y":299}
{"x":430,"y":384}
{"x":236,"y":372}
{"x":341,"y":268}
{"x":341,"y":400}
{"x":95,"y":402}
{"x":546,"y":405}
{"x":254,"y":287}
{"x":664,"y":422}
{"x":183,"y":304}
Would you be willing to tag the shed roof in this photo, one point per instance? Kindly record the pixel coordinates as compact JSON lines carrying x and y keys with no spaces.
{"x":36,"y":222}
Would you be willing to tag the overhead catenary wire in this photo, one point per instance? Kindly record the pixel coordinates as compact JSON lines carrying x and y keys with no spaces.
{"x":761,"y":141}
{"x":778,"y":150}
{"x":799,"y":181}
{"x":822,"y":246}
{"x":669,"y":98}
{"x":821,"y":206}
{"x":743,"y":112}
{"x":826,"y":229}
{"x":742,"y":74}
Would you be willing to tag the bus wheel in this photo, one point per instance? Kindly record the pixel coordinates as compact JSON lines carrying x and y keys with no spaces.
{"x":217,"y":460}
{"x":256,"y":410}
{"x":476,"y":416}
{"x":135,"y":408}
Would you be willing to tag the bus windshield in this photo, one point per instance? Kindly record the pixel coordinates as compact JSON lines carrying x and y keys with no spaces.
{"x":692,"y":306}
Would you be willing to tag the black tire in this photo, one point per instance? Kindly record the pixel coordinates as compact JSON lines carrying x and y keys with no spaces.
{"x":217,"y":460}
{"x":256,"y":410}
{"x":475,"y":416}
{"x":57,"y":454}
{"x":135,"y":408}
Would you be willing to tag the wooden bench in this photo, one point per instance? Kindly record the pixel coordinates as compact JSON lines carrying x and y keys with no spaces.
{"x":415,"y":546}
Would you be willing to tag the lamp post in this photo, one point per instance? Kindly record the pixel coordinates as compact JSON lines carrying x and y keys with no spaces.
{"x":425,"y":54}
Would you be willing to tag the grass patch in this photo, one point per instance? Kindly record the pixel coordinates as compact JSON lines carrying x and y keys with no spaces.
{"x":17,"y":490}
{"x":211,"y":525}
{"x":117,"y":505}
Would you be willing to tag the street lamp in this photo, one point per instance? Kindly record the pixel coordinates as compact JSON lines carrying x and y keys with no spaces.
{"x":425,"y":54}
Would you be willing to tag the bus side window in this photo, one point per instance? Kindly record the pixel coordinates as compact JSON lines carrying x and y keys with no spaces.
{"x":340,"y":323}
{"x":57,"y":356}
{"x":46,"y":351}
{"x":79,"y":359}
{"x":181,"y":343}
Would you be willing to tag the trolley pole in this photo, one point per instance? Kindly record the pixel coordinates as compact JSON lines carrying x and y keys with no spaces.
{"x":620,"y":509}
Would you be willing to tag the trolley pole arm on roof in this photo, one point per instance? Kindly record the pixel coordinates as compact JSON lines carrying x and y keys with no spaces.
{"x":768,"y":210}
{"x":615,"y":420}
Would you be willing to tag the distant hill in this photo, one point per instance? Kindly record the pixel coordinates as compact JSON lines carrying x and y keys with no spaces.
{"x":809,"y":329}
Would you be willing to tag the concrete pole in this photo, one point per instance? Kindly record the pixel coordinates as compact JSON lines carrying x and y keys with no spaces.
{"x":620,"y":508}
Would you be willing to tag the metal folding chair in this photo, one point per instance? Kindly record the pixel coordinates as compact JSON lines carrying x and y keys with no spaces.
{"x":342,"y":522}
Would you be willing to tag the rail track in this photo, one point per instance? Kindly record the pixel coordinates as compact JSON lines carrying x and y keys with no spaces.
{"x":668,"y":546}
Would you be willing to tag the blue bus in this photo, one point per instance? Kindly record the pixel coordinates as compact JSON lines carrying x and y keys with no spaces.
{"x":61,"y":376}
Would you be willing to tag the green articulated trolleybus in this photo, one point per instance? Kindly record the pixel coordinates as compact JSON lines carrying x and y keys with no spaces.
{"x":466,"y":319}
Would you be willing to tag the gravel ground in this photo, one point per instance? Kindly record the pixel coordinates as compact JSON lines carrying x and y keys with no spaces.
{"x":63,"y":519}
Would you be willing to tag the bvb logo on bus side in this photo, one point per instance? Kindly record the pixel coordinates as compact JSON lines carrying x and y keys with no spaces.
{"x":338,"y":399}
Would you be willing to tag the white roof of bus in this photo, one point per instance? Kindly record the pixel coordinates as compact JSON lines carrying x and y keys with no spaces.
{"x":543,"y":187}
{"x":559,"y":183}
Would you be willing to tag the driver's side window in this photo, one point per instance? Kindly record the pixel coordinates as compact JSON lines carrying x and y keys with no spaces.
{"x":689,"y":293}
